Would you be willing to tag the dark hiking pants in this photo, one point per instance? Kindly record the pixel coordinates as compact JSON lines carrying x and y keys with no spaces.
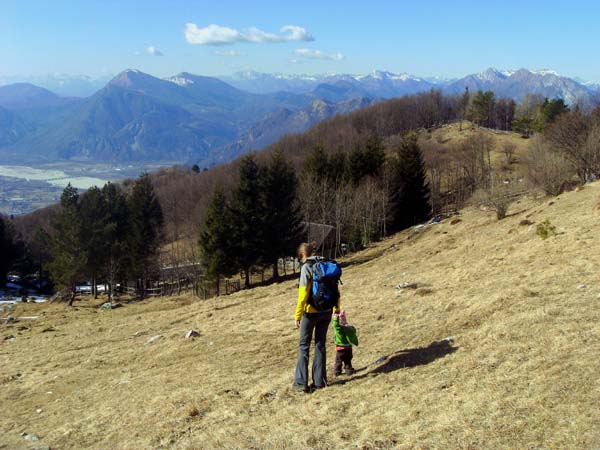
{"x":343,"y":356}
{"x":317,"y":323}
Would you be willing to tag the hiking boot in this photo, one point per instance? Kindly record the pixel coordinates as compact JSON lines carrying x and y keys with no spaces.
{"x":337,"y":373}
{"x":302,"y":388}
{"x":349,"y":370}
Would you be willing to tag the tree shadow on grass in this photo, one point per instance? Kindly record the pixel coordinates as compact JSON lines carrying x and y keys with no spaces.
{"x":404,"y":359}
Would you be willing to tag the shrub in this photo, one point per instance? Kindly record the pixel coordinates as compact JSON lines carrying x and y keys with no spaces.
{"x":498,"y":196}
{"x":545,"y":229}
{"x":548,"y":170}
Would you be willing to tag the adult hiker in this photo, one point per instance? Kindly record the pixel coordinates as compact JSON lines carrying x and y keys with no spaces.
{"x":309,"y":319}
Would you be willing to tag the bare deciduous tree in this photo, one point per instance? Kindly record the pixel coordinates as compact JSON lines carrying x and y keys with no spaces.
{"x":548,"y":169}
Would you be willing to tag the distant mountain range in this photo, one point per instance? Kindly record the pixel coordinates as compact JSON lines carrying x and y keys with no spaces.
{"x":61,"y":84}
{"x":380,"y":84}
{"x":206,"y":120}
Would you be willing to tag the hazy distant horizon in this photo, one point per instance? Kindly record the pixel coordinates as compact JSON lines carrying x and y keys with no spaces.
{"x":436,"y":39}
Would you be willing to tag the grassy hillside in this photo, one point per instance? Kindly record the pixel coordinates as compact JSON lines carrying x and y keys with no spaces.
{"x":455,"y":133}
{"x":521,"y":370}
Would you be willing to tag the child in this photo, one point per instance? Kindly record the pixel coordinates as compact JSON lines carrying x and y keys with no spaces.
{"x":345,"y":338}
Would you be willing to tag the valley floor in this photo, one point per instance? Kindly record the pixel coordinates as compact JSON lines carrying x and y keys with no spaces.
{"x":522,"y":368}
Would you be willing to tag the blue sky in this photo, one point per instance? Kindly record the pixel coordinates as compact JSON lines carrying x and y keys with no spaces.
{"x":434,"y":38}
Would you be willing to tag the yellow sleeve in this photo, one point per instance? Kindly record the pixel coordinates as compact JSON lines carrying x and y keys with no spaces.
{"x":302,"y":299}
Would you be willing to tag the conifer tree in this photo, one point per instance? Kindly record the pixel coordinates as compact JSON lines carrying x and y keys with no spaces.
{"x":410,"y":189}
{"x":39,"y":254}
{"x":146,"y":230}
{"x":248,"y":217}
{"x":282,"y":220}
{"x":482,"y":108}
{"x":94,"y":234}
{"x":216,"y":238}
{"x":317,"y":163}
{"x":6,"y":249}
{"x":69,"y":260}
{"x":117,"y":230}
{"x":365,"y":161}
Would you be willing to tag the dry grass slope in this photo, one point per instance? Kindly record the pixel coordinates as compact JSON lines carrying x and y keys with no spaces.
{"x":522,"y":371}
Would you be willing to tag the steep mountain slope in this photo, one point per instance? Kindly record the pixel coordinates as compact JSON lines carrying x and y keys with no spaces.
{"x":516,"y":84}
{"x":285,"y":122}
{"x":138,"y":117}
{"x":496,"y":348}
{"x":12,"y":128}
{"x":126,"y":125}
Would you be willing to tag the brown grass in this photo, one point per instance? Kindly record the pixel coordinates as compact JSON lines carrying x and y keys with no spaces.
{"x":521,"y":371}
{"x":452,"y":134}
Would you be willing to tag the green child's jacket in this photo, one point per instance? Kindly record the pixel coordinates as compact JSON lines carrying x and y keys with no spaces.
{"x":345,"y":335}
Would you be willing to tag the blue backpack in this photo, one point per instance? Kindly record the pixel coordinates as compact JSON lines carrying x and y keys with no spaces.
{"x":325,"y":292}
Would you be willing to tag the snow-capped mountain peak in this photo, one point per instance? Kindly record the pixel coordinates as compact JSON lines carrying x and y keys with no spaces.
{"x":491,"y":75}
{"x":181,"y":80}
{"x":544,"y":72}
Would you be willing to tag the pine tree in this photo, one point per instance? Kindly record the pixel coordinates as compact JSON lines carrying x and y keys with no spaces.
{"x":69,"y":260}
{"x":316,"y":164}
{"x":118,"y":227}
{"x":216,"y":238}
{"x":6,"y":249}
{"x":481,"y":110}
{"x":282,"y":220}
{"x":39,"y":253}
{"x":94,"y":236}
{"x":464,"y":105}
{"x":365,"y":161}
{"x":248,"y":217}
{"x":146,"y":230}
{"x":410,"y":190}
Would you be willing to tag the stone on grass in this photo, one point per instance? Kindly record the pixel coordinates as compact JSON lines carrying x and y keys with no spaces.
{"x":31,"y":437}
{"x":455,"y":221}
{"x":109,"y":305}
{"x":39,"y":410}
{"x":154,"y":339}
{"x":192,"y":334}
{"x":406,"y":285}
{"x":582,"y":286}
{"x":10,"y":337}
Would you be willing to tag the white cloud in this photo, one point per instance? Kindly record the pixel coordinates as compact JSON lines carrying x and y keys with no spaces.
{"x":218,"y":35}
{"x":154,"y":51}
{"x":318,"y":54}
{"x":229,"y":53}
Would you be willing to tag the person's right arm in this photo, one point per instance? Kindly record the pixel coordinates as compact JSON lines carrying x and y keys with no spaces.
{"x":303,"y":292}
